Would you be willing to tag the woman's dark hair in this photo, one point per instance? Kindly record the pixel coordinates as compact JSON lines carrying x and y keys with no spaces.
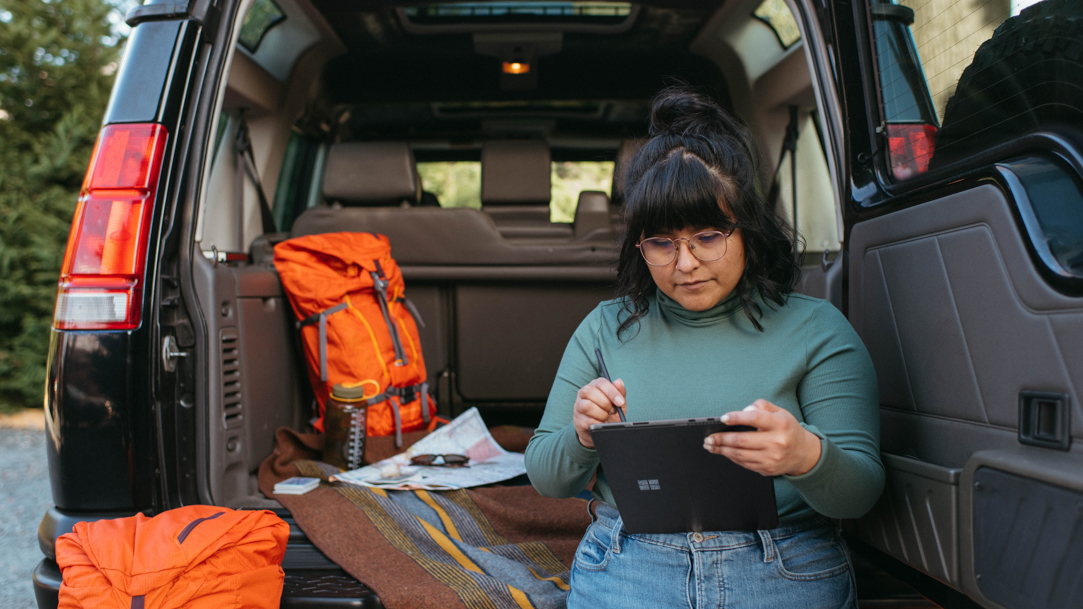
{"x":699,"y":169}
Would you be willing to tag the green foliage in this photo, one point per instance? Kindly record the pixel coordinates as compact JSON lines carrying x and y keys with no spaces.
{"x":57,"y":59}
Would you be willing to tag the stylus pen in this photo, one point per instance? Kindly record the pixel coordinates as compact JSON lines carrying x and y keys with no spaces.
{"x":605,"y":375}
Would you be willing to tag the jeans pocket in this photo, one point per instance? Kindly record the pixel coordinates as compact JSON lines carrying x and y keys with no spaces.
{"x":810,"y":555}
{"x":593,"y":551}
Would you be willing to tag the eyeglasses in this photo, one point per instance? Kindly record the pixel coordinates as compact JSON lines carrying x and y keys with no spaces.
{"x":440,"y":460}
{"x":706,"y":246}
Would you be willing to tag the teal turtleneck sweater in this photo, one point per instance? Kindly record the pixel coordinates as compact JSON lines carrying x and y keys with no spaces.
{"x":683,"y":363}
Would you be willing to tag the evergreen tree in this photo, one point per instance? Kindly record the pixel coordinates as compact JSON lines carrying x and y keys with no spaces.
{"x":57,"y":60}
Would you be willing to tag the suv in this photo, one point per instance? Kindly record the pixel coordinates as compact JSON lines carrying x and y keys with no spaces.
{"x":941,"y":210}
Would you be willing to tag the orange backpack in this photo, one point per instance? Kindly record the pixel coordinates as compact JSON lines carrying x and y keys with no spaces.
{"x":195,"y":557}
{"x":357,"y":326}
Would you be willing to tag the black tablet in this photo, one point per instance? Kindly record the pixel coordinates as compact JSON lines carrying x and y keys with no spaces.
{"x":665,"y":482}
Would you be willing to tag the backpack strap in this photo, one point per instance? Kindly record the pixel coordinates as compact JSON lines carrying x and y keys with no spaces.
{"x":412,"y":309}
{"x":321,"y":318}
{"x":379,"y":281}
{"x":421,"y":390}
{"x":425,"y":402}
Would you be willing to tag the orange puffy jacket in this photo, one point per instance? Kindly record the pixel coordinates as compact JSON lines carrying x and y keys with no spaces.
{"x":196,"y":557}
{"x":357,"y":326}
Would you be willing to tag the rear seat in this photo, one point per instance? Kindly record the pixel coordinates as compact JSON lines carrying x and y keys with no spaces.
{"x":373,"y":187}
{"x":516,"y":189}
{"x":484,"y":297}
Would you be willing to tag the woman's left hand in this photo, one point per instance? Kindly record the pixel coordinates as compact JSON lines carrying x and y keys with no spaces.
{"x":779,"y":446}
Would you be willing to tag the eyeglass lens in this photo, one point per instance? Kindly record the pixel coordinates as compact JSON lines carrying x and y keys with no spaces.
{"x":707,"y":246}
{"x":438,"y":460}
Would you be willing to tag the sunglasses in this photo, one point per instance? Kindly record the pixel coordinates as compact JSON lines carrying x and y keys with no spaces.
{"x":441,"y":460}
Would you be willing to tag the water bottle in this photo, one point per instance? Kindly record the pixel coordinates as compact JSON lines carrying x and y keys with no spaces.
{"x":345,"y":421}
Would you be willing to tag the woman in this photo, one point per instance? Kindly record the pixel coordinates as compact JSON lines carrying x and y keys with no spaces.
{"x":706,"y":323}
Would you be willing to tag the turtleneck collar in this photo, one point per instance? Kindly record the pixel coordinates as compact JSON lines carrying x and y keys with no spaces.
{"x":672,"y":310}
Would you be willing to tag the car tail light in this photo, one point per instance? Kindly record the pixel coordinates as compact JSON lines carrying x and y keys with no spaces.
{"x":910,"y":147}
{"x":101,"y":279}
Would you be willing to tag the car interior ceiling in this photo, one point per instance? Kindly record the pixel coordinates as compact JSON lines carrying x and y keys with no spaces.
{"x":371,"y":89}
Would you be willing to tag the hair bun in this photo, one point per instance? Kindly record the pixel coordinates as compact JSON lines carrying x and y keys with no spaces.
{"x":681,"y":111}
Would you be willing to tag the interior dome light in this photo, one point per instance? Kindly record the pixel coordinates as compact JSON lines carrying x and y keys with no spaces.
{"x":516,"y":67}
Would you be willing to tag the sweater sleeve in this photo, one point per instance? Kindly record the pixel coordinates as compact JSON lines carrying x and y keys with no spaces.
{"x":840,"y":404}
{"x":557,"y":464}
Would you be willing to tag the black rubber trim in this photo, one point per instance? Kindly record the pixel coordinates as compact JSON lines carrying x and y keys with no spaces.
{"x":203,"y":12}
{"x":47,"y":580}
{"x":154,"y":12}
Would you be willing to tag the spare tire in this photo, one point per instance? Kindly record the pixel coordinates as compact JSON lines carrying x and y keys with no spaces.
{"x":1028,"y":76}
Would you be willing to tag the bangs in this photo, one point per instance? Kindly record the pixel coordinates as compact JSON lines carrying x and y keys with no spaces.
{"x":676,"y":193}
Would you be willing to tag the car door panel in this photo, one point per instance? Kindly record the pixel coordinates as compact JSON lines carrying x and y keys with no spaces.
{"x":916,"y":519}
{"x":958,"y":320}
{"x":955,"y":315}
{"x":1021,"y":515}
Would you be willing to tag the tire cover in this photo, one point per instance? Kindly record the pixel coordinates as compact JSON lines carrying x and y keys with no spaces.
{"x":1028,"y":76}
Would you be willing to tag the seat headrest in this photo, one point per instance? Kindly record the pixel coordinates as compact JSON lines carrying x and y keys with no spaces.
{"x":627,"y":150}
{"x":371,"y":173}
{"x":515,"y":173}
{"x":593,"y":202}
{"x":592,"y":212}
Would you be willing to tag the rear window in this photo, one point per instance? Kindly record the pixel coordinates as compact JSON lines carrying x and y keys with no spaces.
{"x":957,"y":77}
{"x":458,"y":184}
{"x":455,"y":183}
{"x":572,"y":177}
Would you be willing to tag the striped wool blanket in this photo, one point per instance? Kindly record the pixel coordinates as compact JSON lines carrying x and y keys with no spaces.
{"x":493,"y":547}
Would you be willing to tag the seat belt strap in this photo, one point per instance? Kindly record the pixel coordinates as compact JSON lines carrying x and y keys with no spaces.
{"x":789,"y":146}
{"x":246,"y":161}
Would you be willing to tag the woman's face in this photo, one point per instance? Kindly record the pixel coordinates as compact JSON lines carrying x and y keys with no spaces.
{"x":695,"y":284}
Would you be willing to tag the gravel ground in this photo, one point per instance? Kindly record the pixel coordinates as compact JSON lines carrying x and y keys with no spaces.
{"x":24,"y":497}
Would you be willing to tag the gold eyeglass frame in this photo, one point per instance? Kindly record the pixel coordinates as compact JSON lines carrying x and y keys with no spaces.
{"x":688,"y":242}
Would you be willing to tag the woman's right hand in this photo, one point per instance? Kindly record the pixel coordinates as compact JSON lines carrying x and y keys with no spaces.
{"x":597,"y":402}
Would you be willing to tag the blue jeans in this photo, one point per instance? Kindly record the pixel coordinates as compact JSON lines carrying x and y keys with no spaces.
{"x":804,"y":566}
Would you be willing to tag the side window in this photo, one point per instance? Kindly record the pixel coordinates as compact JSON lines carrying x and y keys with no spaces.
{"x":778,"y":17}
{"x":295,"y":180}
{"x":263,"y":16}
{"x":804,"y":174}
{"x":957,"y":77}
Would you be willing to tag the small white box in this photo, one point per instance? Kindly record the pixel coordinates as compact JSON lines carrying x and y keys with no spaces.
{"x":296,"y":486}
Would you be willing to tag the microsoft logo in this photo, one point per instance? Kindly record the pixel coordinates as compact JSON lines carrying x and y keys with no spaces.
{"x":649,"y":485}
